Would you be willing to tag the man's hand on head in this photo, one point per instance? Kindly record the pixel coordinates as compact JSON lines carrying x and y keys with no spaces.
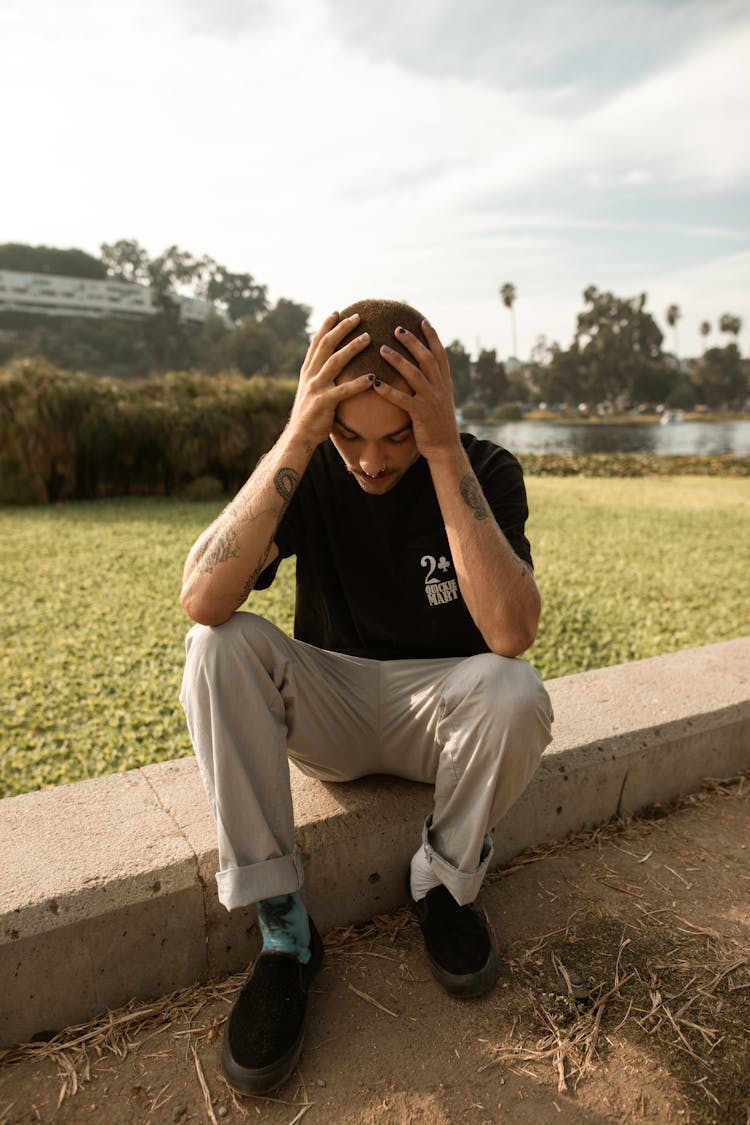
{"x":431,"y":407}
{"x":318,"y":395}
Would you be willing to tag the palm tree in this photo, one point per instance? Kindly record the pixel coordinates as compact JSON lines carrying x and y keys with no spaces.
{"x":508,"y":297}
{"x":704,"y":330}
{"x":730,"y":323}
{"x":673,"y":315}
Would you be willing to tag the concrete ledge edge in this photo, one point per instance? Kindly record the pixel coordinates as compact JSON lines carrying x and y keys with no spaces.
{"x":109,"y":890}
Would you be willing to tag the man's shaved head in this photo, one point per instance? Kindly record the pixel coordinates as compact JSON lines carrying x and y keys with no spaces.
{"x":380,"y":319}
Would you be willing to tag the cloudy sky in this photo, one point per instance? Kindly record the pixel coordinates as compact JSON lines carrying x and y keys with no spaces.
{"x":428,"y":150}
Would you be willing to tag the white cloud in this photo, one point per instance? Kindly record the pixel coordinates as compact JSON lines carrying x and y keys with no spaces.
{"x":330,"y":169}
{"x":685,"y":122}
{"x":549,"y":54}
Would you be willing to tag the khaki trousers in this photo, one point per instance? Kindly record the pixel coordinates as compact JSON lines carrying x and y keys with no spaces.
{"x":475,"y":727}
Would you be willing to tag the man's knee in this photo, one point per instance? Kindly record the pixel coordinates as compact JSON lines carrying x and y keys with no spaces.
{"x":498,"y":679}
{"x":226,"y":655}
{"x":240,"y":631}
{"x":506,"y":693}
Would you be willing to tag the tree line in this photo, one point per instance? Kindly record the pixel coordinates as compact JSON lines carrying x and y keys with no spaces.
{"x":617,"y":355}
{"x":261,"y":338}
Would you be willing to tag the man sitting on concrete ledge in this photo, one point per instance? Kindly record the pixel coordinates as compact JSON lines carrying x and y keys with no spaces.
{"x":415,"y":591}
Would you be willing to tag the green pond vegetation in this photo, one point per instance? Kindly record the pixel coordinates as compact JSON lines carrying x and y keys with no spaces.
{"x":93,"y":634}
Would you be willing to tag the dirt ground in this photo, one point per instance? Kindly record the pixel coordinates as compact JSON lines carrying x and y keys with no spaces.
{"x":653,"y":914}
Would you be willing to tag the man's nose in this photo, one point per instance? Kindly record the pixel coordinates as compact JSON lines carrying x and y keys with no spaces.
{"x":371,"y":459}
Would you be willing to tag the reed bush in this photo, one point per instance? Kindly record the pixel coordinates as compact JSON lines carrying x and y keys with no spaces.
{"x":69,"y":435}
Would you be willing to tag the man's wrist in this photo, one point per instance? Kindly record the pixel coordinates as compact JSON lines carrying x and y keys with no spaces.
{"x":296,"y":441}
{"x":447,"y":456}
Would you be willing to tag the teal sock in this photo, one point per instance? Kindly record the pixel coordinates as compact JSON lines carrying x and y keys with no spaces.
{"x":285,"y":926}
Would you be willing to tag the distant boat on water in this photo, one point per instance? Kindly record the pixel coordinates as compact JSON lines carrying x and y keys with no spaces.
{"x":671,"y":417}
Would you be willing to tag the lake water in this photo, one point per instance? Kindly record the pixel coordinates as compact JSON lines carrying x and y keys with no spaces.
{"x":692,"y":438}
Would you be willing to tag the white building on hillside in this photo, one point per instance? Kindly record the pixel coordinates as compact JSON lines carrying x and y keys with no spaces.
{"x":53,"y":295}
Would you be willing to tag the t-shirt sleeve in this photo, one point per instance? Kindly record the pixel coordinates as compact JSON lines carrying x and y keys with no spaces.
{"x":501,"y":478}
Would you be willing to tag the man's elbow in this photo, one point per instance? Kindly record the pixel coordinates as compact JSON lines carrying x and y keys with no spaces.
{"x":200,"y":610}
{"x":513,"y":643}
{"x":513,"y":638}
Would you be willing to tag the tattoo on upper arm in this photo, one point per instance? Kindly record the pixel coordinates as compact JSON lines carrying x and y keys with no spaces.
{"x":285,"y":482}
{"x":225,"y":545}
{"x":249,"y":586}
{"x":473,"y":497}
{"x":525,"y":569}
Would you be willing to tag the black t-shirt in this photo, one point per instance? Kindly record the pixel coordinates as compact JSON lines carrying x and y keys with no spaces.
{"x":375,"y":576}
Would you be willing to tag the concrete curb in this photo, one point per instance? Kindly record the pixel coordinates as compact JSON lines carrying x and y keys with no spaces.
{"x":108,"y":888}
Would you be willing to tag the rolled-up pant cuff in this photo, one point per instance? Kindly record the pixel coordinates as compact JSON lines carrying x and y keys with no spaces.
{"x":463,"y":885}
{"x":241,"y":886}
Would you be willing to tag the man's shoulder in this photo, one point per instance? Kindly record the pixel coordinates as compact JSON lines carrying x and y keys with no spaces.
{"x":483,"y":453}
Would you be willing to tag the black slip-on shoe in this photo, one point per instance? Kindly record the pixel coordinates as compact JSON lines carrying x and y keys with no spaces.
{"x":264,"y":1033}
{"x":460,"y":944}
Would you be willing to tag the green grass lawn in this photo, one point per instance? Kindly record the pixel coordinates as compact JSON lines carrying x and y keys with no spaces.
{"x":92,"y":635}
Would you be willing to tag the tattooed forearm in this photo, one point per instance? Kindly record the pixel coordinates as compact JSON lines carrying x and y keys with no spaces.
{"x":219,"y":550}
{"x":285,"y":482}
{"x":224,"y":543}
{"x":473,"y":497}
{"x":249,"y":586}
